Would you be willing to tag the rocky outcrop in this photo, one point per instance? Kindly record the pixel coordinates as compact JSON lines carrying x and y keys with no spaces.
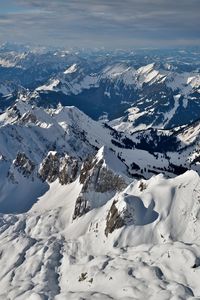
{"x":129,"y":210}
{"x":49,"y":169}
{"x":94,"y":175}
{"x":82,"y":206}
{"x":86,"y":168}
{"x":69,"y":170}
{"x":24,"y":164}
{"x":53,"y":167}
{"x":113,"y":220}
{"x":99,"y":184}
{"x":108,"y":181}
{"x":29,"y":117}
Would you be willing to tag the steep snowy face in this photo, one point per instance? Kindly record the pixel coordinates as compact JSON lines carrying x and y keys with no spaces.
{"x":146,"y":235}
{"x":71,"y":69}
{"x":149,"y":75}
{"x":84,"y":210}
{"x":168,"y":208}
{"x":190,"y":134}
{"x":190,"y":139}
{"x":40,"y":146}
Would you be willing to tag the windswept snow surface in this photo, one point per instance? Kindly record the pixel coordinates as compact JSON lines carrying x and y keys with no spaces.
{"x":76,"y":239}
{"x":44,"y":255}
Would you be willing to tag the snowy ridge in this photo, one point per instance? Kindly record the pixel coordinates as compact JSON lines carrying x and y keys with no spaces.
{"x":145,"y":83}
{"x":159,"y":94}
{"x":95,"y":210}
{"x":71,"y":204}
{"x":148,"y":74}
{"x":71,"y":69}
{"x":184,"y":82}
{"x":155,"y":245}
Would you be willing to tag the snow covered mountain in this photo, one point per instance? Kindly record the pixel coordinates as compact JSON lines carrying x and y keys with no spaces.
{"x":144,"y":89}
{"x":104,"y":209}
{"x":31,"y":136}
{"x":155,"y":95}
{"x":143,"y":242}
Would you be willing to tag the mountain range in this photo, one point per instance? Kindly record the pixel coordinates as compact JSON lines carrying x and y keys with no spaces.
{"x":99,"y":174}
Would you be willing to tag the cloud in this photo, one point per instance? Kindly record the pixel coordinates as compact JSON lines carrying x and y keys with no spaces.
{"x":109,"y":23}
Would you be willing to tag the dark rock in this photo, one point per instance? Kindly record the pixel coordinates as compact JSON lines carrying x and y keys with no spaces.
{"x":108,"y":181}
{"x":96,"y":178}
{"x":113,"y":220}
{"x":69,"y":170}
{"x":87,"y":166}
{"x":24,"y":164}
{"x":100,"y":179}
{"x":54,"y":167}
{"x":29,"y":118}
{"x":81,"y":207}
{"x":50,"y":167}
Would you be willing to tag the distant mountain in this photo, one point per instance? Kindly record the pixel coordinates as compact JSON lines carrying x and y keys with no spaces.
{"x":133,"y":90}
{"x":155,"y":96}
{"x":99,"y":174}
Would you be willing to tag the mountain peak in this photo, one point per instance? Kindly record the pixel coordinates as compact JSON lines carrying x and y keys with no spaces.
{"x":110,"y":160}
{"x":71,"y":69}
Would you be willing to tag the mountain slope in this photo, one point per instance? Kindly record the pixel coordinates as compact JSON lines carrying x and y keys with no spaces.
{"x":136,"y":89}
{"x":154,"y":95}
{"x":95,"y":209}
{"x":150,"y":253}
{"x":75,"y":221}
{"x":39,"y":146}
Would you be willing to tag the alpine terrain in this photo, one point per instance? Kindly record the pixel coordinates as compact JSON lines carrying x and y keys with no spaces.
{"x":99,"y":174}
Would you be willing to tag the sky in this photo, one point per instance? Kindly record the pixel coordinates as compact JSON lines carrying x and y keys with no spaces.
{"x":101,"y":23}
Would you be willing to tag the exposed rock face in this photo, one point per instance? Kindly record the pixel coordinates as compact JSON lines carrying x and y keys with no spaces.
{"x":108,"y":181}
{"x":142,"y":186}
{"x":129,"y":210}
{"x":24,"y":164}
{"x":49,"y":169}
{"x":55,"y":167}
{"x":86,"y":168}
{"x":81,"y":207}
{"x":96,"y":178}
{"x":14,"y":112}
{"x":29,"y":117}
{"x":69,"y":170}
{"x":113,"y":220}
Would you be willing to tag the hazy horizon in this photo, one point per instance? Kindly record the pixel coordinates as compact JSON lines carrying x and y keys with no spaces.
{"x":110,"y":24}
